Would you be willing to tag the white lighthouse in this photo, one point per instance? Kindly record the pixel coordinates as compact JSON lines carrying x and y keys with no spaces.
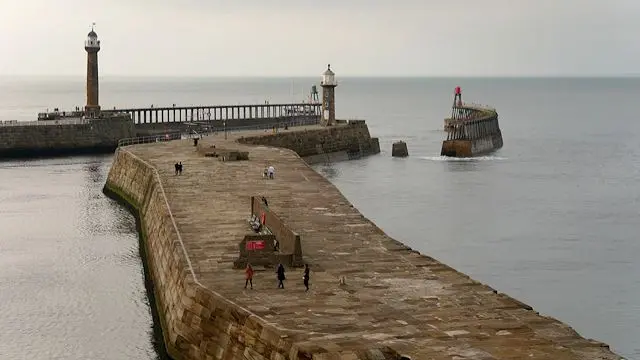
{"x":328,"y":97}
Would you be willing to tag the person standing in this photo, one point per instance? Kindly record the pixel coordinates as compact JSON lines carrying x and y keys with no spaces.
{"x":305,"y":277}
{"x":281,"y":276}
{"x":248,"y":276}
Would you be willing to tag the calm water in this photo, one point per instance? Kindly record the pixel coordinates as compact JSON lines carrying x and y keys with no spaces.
{"x":70,"y":272}
{"x":550,"y":219}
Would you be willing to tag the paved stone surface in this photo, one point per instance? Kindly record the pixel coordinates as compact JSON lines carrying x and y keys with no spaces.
{"x":392,"y":295}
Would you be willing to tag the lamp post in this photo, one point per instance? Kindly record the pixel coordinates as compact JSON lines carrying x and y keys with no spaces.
{"x":224,"y":123}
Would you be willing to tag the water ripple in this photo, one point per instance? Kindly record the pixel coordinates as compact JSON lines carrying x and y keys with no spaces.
{"x":73,"y":286}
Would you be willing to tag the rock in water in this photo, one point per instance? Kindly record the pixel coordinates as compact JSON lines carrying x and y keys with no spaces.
{"x":399,"y":149}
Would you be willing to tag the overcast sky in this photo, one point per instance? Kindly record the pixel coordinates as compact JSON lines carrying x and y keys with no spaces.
{"x":299,"y":37}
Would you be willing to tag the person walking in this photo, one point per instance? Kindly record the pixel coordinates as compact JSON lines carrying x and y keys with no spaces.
{"x":248,"y":271}
{"x":305,"y":277}
{"x":281,"y":276}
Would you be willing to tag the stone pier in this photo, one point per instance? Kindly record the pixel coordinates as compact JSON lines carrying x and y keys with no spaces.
{"x":69,"y":136}
{"x":371,"y":297}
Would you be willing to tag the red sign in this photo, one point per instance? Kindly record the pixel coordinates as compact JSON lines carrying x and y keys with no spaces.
{"x":255,"y":245}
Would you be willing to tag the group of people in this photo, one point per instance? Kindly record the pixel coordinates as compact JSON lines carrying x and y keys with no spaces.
{"x":279,"y":275}
{"x":269,"y":172}
{"x":178,"y":167}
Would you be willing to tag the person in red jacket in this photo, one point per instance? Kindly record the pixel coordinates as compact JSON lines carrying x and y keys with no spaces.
{"x":248,"y":276}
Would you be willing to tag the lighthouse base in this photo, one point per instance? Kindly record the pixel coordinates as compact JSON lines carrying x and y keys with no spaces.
{"x":92,"y":111}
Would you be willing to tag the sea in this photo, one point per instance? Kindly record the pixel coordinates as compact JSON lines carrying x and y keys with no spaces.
{"x":550,"y":219}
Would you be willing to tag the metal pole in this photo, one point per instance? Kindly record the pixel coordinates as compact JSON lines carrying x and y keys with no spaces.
{"x":225,"y":129}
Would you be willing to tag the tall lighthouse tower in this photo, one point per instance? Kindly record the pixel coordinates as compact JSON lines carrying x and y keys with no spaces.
{"x":92,"y":45}
{"x":328,"y":97}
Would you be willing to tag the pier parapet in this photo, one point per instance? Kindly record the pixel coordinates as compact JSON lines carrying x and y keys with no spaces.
{"x":347,"y":140}
{"x":274,"y":243}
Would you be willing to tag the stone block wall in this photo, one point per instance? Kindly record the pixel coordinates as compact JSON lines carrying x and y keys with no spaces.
{"x":197,"y":322}
{"x":353,"y":138}
{"x":289,"y":240}
{"x":221,"y":153}
{"x":267,"y":256}
{"x":460,"y":148}
{"x":100,"y":135}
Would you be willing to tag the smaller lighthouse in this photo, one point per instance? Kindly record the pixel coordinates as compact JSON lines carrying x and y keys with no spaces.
{"x":92,"y":46}
{"x":328,"y":97}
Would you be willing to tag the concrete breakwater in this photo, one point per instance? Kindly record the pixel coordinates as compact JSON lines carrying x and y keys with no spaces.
{"x":69,"y":136}
{"x":371,"y":297}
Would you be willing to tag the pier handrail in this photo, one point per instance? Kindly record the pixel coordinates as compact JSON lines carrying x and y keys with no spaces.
{"x":76,"y":113}
{"x":194,"y":107}
{"x":298,"y":122}
{"x":477,"y":106}
{"x":149,"y":139}
{"x":45,"y":122}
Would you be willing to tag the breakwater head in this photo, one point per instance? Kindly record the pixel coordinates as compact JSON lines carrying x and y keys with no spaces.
{"x":475,"y":132}
{"x":471,"y":130}
{"x":371,"y":297}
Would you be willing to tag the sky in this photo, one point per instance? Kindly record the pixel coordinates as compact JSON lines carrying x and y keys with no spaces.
{"x":299,"y":37}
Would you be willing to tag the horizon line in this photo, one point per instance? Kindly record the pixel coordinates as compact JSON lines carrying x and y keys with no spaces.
{"x":524,"y":76}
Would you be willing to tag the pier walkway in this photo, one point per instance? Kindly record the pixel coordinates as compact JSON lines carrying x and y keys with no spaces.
{"x":391,"y":295}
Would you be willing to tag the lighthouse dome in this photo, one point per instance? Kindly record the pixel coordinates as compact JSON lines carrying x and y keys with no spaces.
{"x":328,"y":77}
{"x":92,"y":43}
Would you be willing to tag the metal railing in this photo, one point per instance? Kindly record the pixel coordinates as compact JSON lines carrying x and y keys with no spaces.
{"x":477,"y":106}
{"x":236,"y":106}
{"x":150,"y":139}
{"x":45,"y":122}
{"x":291,"y":123}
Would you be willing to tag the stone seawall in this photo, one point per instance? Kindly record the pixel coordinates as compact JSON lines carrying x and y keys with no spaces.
{"x":197,"y":322}
{"x":65,"y":137}
{"x":341,"y":142}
